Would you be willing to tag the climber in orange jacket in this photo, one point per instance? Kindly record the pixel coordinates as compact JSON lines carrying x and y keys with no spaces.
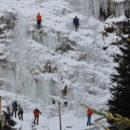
{"x":39,"y":19}
{"x":89,"y":113}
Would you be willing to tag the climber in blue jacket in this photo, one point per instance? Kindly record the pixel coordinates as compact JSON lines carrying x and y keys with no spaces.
{"x":14,"y":108}
{"x":76,"y":22}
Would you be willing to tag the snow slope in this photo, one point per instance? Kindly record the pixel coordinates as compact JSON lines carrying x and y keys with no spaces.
{"x":48,"y":120}
{"x":84,"y":67}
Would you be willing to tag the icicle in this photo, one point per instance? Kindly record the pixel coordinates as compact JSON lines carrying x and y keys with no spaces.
{"x":96,"y":7}
{"x":22,"y":82}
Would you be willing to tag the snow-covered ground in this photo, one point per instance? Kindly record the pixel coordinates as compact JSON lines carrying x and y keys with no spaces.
{"x":49,"y":120}
{"x":36,"y":65}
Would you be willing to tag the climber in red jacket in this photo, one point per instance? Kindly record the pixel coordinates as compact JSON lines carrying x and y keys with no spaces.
{"x":36,"y":113}
{"x":89,"y":113}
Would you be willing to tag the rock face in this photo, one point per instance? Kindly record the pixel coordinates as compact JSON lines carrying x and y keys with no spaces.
{"x":101,"y":8}
{"x":52,"y":39}
{"x":8,"y":18}
{"x":7,"y":23}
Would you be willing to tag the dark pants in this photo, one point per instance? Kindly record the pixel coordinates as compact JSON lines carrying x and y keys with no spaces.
{"x":14,"y":111}
{"x":38,"y":23}
{"x":20,"y":115}
{"x":36,"y":118}
{"x":89,"y":120}
{"x":76,"y":24}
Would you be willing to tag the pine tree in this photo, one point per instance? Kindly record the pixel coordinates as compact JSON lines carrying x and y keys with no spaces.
{"x":120,"y":91}
{"x":9,"y":123}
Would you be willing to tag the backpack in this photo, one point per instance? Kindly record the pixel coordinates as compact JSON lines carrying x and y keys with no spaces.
{"x":20,"y":109}
{"x":15,"y":104}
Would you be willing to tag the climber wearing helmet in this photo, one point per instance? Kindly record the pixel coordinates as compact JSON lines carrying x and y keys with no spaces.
{"x":76,"y":22}
{"x":39,"y":18}
{"x":20,"y":112}
{"x":14,"y":108}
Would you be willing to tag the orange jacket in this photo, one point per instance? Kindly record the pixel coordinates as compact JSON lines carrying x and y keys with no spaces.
{"x":39,"y":16}
{"x":89,"y":112}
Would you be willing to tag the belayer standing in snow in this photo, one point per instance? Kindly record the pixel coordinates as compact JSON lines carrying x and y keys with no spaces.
{"x":36,"y":113}
{"x":39,"y":19}
{"x":89,"y":113}
{"x":14,"y":108}
{"x":76,"y":22}
{"x":20,"y":112}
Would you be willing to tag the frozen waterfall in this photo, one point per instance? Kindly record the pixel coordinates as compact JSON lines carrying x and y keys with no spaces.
{"x":14,"y":76}
{"x":101,"y":8}
{"x":47,"y":63}
{"x":15,"y":80}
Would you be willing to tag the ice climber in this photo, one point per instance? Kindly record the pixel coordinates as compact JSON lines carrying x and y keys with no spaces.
{"x":89,"y":113}
{"x":36,"y":113}
{"x":39,"y":18}
{"x":20,"y":112}
{"x":76,"y":22}
{"x":14,"y":108}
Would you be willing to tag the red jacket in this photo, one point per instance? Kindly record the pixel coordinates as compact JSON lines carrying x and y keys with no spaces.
{"x":36,"y":112}
{"x":89,"y":112}
{"x":39,"y":16}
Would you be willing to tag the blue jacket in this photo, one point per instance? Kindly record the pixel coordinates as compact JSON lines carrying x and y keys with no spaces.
{"x":75,"y":20}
